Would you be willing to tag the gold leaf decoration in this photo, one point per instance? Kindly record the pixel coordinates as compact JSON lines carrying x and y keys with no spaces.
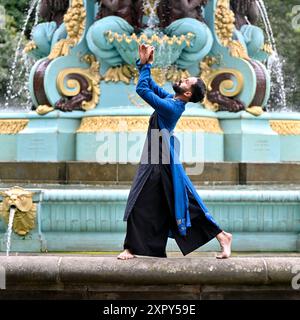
{"x":286,"y":127}
{"x":141,"y":123}
{"x":208,"y":74}
{"x":143,"y":38}
{"x":12,"y":126}
{"x":74,"y":20}
{"x":25,"y":214}
{"x":224,"y":27}
{"x":91,"y":74}
{"x":30,"y":46}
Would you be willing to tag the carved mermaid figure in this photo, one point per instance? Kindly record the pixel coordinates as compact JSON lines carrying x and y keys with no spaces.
{"x":172,"y":10}
{"x":177,"y":18}
{"x":246,"y":11}
{"x":54,"y":10}
{"x":46,"y":34}
{"x":252,"y":37}
{"x":123,"y":9}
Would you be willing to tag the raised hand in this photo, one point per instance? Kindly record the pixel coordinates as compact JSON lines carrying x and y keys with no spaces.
{"x":151,"y":51}
{"x":146,"y":53}
{"x":143,"y":53}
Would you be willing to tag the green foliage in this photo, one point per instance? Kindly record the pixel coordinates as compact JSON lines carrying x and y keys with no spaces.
{"x":15,"y":14}
{"x":16,"y":9}
{"x":8,"y":39}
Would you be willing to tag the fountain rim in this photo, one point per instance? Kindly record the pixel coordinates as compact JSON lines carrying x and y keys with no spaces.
{"x":134,"y":111}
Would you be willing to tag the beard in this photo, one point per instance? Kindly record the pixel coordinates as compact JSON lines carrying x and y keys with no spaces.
{"x":177,"y":87}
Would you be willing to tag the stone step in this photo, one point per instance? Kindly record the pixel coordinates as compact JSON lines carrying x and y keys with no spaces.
{"x":91,"y":173}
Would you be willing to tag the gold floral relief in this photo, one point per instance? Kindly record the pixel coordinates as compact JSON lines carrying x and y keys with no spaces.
{"x":141,"y":123}
{"x":286,"y":127}
{"x":74,"y":20}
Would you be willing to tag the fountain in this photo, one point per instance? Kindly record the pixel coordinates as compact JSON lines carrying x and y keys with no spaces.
{"x":274,"y":63}
{"x":12,"y":212}
{"x":11,"y":93}
{"x":19,"y":212}
{"x":76,"y":152}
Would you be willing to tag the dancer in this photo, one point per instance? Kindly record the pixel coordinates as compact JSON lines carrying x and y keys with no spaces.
{"x":162,"y":201}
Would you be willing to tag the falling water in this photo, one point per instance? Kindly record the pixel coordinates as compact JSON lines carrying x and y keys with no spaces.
{"x":274,"y":62}
{"x":162,"y":49}
{"x":12,"y":212}
{"x":151,"y":6}
{"x":23,"y":62}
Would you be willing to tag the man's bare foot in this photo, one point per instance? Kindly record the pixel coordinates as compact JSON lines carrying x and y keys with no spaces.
{"x":125,"y":255}
{"x":225,"y":240}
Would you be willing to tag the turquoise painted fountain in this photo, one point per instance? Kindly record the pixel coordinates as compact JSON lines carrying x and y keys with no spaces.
{"x":85,"y":110}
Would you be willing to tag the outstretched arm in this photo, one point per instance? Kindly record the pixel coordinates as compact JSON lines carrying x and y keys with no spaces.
{"x":159,"y":90}
{"x":163,"y":107}
{"x":153,"y":85}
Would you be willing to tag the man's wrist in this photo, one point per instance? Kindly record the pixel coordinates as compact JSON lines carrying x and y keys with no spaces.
{"x":140,"y":65}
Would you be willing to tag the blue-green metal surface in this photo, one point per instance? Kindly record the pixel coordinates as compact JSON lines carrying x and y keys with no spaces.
{"x":92,"y":220}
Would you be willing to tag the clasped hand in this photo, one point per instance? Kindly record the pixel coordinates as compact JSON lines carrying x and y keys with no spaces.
{"x":146,"y":53}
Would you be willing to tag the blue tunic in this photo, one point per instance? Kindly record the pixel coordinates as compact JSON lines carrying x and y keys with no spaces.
{"x":169,"y":110}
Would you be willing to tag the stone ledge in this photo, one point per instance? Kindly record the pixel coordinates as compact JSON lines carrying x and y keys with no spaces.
{"x":58,"y":270}
{"x":106,"y":278}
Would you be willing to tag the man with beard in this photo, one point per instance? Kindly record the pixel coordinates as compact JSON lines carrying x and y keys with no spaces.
{"x":163,"y":201}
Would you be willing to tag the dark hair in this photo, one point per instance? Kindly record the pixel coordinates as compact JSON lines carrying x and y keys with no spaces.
{"x":198,"y":91}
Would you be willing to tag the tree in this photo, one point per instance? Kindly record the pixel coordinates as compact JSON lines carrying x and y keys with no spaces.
{"x":15,"y":9}
{"x":9,"y":37}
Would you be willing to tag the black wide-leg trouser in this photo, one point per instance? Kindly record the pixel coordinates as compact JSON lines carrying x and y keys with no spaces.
{"x":152,"y":217}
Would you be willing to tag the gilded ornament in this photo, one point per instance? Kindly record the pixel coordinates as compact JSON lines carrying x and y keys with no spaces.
{"x":30,"y":46}
{"x":44,"y":109}
{"x":25,"y":214}
{"x":114,"y":36}
{"x":224,"y":27}
{"x":228,"y":87}
{"x":74,"y":21}
{"x":12,"y":126}
{"x":255,"y":110}
{"x":91,"y":74}
{"x":267,"y":48}
{"x":286,"y":127}
{"x":140,"y":124}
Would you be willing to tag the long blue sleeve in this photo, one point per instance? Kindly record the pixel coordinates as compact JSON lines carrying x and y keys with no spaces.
{"x":163,"y":106}
{"x":153,"y":85}
{"x":158,"y":90}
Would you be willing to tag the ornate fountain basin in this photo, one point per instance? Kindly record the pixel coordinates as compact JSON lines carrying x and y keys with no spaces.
{"x":168,"y":49}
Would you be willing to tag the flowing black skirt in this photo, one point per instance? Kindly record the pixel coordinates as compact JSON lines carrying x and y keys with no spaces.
{"x":152,"y":218}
